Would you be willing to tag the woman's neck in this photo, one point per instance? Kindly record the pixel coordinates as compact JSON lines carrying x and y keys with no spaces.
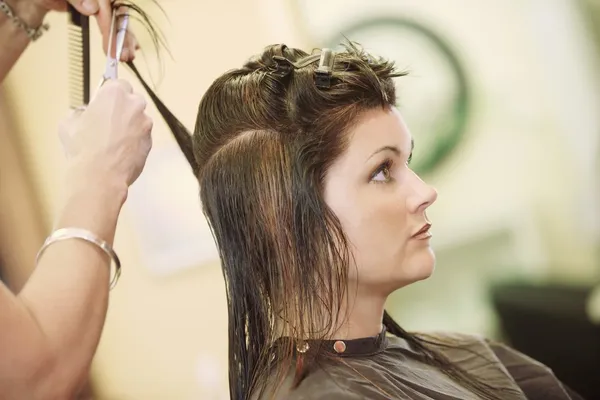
{"x":362,"y":318}
{"x":359,"y":317}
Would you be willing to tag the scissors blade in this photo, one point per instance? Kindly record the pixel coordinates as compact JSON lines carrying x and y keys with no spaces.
{"x":112,"y":63}
{"x":121,"y":35}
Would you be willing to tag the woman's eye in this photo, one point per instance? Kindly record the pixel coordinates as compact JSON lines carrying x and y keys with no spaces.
{"x":383,"y":175}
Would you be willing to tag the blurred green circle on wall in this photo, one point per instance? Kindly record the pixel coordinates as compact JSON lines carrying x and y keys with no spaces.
{"x":434,"y":97}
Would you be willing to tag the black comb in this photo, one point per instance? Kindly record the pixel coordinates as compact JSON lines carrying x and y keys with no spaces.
{"x":79,"y":58}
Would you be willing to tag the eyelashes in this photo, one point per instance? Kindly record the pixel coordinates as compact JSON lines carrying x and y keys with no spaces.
{"x":383,"y":173}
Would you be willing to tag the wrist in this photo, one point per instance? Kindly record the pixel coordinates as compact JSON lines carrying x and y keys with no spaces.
{"x":30,"y":12}
{"x":95,"y":187}
{"x":93,"y":203}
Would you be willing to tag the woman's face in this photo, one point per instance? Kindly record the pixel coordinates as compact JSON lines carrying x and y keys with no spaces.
{"x":382,"y":205}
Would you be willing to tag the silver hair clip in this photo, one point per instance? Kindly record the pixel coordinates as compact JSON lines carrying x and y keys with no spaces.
{"x":283,"y":66}
{"x":323,"y":73}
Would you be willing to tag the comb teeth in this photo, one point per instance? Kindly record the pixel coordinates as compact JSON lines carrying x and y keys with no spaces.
{"x":76,"y":66}
{"x":79,"y":60}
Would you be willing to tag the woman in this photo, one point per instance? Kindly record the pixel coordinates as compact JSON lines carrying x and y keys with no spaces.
{"x":304,"y":170}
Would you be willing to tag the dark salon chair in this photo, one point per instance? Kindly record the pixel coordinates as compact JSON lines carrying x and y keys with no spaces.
{"x":549,"y":323}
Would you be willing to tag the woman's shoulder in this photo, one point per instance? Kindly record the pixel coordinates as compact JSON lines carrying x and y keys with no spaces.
{"x":535,"y":379}
{"x":450,"y":340}
{"x":515,"y":362}
{"x":451,"y":336}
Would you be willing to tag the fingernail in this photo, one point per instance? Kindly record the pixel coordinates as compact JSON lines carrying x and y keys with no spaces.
{"x":91,"y":6}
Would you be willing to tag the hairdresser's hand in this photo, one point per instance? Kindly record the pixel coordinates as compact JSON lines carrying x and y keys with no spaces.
{"x":108,"y":143}
{"x":102,"y":10}
{"x":104,"y":18}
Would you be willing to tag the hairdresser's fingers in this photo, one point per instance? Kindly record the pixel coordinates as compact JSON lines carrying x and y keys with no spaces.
{"x":111,"y":138}
{"x":86,"y":7}
{"x":139,"y":102}
{"x":130,"y":46}
{"x":89,"y":7}
{"x":115,"y":84}
{"x":104,"y":19}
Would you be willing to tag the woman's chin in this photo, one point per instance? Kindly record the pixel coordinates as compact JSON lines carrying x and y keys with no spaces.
{"x":422,"y":265}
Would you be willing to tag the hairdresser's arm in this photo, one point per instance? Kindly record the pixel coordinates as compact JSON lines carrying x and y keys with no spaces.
{"x":49,"y":332}
{"x":14,"y":40}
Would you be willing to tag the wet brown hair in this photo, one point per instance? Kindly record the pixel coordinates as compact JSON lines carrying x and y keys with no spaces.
{"x":264,"y":138}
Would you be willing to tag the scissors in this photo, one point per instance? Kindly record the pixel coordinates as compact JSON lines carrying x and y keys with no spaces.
{"x":111,"y":69}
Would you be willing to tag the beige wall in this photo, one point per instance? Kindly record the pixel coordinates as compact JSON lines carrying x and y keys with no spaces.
{"x":509,"y":197}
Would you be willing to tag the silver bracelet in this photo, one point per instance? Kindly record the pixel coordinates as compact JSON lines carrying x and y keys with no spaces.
{"x":83,"y":234}
{"x":33,"y":33}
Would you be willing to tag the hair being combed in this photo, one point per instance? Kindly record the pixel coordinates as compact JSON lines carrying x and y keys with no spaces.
{"x":262,"y":145}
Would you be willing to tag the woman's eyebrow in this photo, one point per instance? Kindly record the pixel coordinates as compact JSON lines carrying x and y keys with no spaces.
{"x":393,"y":149}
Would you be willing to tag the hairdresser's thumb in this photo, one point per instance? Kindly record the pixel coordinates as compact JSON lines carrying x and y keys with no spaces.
{"x":67,"y":129}
{"x":86,"y":7}
{"x":66,"y":137}
{"x":104,"y":20}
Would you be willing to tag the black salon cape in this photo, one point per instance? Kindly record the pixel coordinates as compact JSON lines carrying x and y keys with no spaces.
{"x":386,"y":367}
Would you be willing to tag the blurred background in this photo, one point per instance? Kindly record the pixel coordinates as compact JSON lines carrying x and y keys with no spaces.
{"x":502,"y":99}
